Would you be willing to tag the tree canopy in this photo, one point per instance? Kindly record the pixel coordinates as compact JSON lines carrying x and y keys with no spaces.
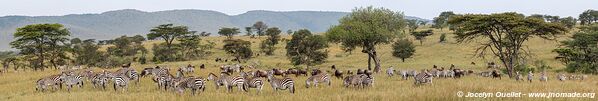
{"x":228,"y":32}
{"x":306,"y":48}
{"x":43,"y":43}
{"x":366,"y":28}
{"x":580,"y":53}
{"x":503,"y":34}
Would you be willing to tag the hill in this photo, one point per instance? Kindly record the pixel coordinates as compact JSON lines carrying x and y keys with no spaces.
{"x":111,"y":24}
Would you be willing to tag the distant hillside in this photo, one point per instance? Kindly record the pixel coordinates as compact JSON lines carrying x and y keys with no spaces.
{"x":132,"y":22}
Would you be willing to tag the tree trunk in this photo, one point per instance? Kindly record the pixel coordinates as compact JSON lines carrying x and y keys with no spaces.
{"x":403,"y":59}
{"x":369,"y":62}
{"x":376,"y":61}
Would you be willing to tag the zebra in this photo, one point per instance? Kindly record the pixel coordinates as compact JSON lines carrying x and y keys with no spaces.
{"x":217,"y":80}
{"x":194,"y":83}
{"x":131,"y":73}
{"x":543,"y":77}
{"x":281,"y":83}
{"x":518,"y":76}
{"x":70,"y":79}
{"x":253,"y":82}
{"x":100,"y":79}
{"x":44,"y":83}
{"x":230,"y":81}
{"x":423,"y":78}
{"x":408,"y":73}
{"x":120,"y":81}
{"x":390,"y":71}
{"x":188,"y":69}
{"x":530,"y":76}
{"x":367,"y":80}
{"x":562,"y":77}
{"x":319,"y":78}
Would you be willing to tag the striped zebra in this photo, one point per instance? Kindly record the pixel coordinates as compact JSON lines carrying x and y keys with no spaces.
{"x":319,"y":78}
{"x":71,"y":79}
{"x":562,"y":77}
{"x":43,"y":83}
{"x":543,"y":77}
{"x":518,"y":76}
{"x":218,"y":81}
{"x":188,"y":69}
{"x":359,"y":80}
{"x":253,"y":82}
{"x":390,"y":71}
{"x":193,"y":83}
{"x":423,"y":78}
{"x":530,"y":76}
{"x":230,"y":81}
{"x":281,"y":83}
{"x":120,"y":81}
{"x":100,"y":80}
{"x":367,"y":80}
{"x":131,"y":73}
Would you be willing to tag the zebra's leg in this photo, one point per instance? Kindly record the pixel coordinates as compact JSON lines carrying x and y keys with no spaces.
{"x":292,"y":89}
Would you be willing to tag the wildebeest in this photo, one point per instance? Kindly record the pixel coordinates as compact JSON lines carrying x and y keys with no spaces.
{"x":496,"y":74}
{"x":338,"y":74}
{"x":315,"y":71}
{"x":202,"y":66}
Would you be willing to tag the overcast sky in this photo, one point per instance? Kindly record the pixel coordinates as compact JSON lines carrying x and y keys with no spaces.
{"x":420,"y":8}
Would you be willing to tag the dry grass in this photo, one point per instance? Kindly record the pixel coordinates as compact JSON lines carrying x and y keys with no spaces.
{"x":20,"y":85}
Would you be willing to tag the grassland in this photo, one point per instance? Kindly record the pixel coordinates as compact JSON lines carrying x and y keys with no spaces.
{"x":19,"y":85}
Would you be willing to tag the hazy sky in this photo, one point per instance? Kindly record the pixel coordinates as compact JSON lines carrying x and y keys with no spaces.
{"x":420,"y":8}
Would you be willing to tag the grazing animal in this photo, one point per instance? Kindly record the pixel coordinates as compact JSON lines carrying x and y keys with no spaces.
{"x":543,"y":77}
{"x":423,"y":78}
{"x":319,"y":78}
{"x":390,"y":71}
{"x":281,"y":83}
{"x":53,"y":81}
{"x":100,"y":80}
{"x":71,"y":79}
{"x":315,"y":72}
{"x":217,"y":80}
{"x":530,"y":76}
{"x":358,"y":80}
{"x":188,"y":69}
{"x":277,"y":72}
{"x":193,"y":83}
{"x":496,"y":74}
{"x":518,"y":76}
{"x":202,"y":66}
{"x":562,"y":77}
{"x":338,"y":74}
{"x":120,"y":81}
{"x":230,"y":81}
{"x":360,"y":71}
{"x":252,"y":82}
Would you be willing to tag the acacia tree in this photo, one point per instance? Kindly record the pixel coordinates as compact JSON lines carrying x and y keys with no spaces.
{"x":240,"y":49}
{"x":267,"y":45}
{"x":86,"y":52}
{"x":504,"y":34}
{"x":421,"y":35}
{"x":366,"y":28}
{"x":580,"y":54}
{"x":248,"y":31}
{"x":228,"y":32}
{"x":588,"y":17}
{"x":169,"y":33}
{"x":442,"y":19}
{"x":306,"y":48}
{"x":403,"y":49}
{"x":260,"y":28}
{"x":42,"y":43}
{"x":413,"y":24}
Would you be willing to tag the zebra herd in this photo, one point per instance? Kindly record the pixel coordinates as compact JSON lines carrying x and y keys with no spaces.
{"x":178,"y":83}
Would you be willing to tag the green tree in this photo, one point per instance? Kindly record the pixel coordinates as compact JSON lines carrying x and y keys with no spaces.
{"x":86,"y":52}
{"x":267,"y":45}
{"x":248,"y":31}
{"x":504,"y":34}
{"x":289,"y":32}
{"x":403,"y":49}
{"x":191,"y":47}
{"x":568,"y":21}
{"x":421,"y":35}
{"x":260,"y":28}
{"x":306,"y":48}
{"x":588,"y":17}
{"x":580,"y":53}
{"x":169,"y":33}
{"x":228,"y":32}
{"x":413,"y":24}
{"x":42,"y":43}
{"x":442,"y":19}
{"x":240,"y":49}
{"x":366,"y":28}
